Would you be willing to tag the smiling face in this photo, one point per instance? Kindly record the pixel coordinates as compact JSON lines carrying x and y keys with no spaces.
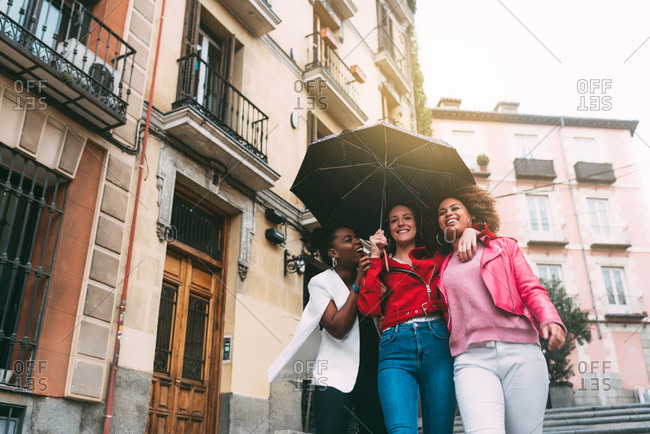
{"x":453,"y":216}
{"x":346,"y":247}
{"x":402,"y":225}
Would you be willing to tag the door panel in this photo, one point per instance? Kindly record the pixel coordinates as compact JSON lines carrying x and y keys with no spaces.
{"x":189,"y":305}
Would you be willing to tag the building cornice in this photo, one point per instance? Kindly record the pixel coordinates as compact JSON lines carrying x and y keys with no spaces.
{"x":521,"y":118}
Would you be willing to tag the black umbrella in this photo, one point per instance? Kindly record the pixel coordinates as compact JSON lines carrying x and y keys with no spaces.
{"x":347,"y":179}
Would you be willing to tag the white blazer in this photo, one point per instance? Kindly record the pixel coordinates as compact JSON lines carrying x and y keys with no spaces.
{"x":314,"y":353}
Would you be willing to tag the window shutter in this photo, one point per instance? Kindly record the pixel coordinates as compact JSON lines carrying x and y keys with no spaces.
{"x":191,"y":26}
{"x":311,"y":127}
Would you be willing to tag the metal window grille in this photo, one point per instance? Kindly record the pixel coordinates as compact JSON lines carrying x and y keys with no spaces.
{"x":197,"y":228}
{"x":165,"y":333}
{"x":195,"y":338}
{"x":11,"y":418}
{"x":32,"y":203}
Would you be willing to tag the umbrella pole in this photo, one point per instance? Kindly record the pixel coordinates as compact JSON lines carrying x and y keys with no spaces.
{"x":381,"y":217}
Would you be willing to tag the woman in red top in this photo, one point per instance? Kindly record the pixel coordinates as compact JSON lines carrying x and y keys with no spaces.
{"x":414,"y":357}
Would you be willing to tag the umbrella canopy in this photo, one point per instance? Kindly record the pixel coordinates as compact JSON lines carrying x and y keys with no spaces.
{"x":347,"y":179}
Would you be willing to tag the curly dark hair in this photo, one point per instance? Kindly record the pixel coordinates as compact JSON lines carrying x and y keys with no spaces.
{"x":479,"y":203}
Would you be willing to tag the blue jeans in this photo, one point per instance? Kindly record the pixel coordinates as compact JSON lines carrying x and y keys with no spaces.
{"x":415,"y":357}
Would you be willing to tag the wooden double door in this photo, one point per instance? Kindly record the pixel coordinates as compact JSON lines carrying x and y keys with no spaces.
{"x":185,"y":385}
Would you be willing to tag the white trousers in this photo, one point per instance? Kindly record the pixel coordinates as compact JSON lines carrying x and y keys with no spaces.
{"x":501,"y":388}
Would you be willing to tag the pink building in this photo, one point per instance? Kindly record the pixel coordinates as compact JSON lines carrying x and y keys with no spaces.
{"x":569,"y":190}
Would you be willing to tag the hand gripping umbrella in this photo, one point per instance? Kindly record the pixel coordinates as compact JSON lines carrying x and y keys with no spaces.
{"x":346,"y":180}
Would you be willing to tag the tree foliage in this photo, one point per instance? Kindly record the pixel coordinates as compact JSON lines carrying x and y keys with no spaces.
{"x":411,"y":4}
{"x":576,"y":321}
{"x":422,"y":112}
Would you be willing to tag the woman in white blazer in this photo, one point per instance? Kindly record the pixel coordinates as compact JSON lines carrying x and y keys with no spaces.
{"x":337,"y":345}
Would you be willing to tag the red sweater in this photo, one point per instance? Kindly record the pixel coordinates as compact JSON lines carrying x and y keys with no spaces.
{"x":412,"y":291}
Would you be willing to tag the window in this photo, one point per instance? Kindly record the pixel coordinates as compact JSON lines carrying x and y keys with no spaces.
{"x":11,"y":418}
{"x":526,"y":144}
{"x":389,"y":108}
{"x":586,"y":149}
{"x":197,"y":226}
{"x":550,"y":272}
{"x":538,"y":213}
{"x":42,"y":18}
{"x":211,"y":53}
{"x":31,"y":212}
{"x":316,"y":129}
{"x":464,"y":143}
{"x":598,"y":210}
{"x":614,"y":286}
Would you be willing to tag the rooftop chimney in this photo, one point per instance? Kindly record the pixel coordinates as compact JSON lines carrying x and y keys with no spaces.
{"x":449,"y":103}
{"x":506,"y":107}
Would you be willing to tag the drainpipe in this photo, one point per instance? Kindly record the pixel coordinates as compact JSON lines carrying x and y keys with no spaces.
{"x":129,"y":257}
{"x":582,"y":244}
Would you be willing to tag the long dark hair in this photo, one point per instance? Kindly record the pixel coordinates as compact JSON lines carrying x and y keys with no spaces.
{"x":417,"y":216}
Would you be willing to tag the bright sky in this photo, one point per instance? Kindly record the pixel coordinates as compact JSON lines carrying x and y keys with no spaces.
{"x":485,"y":51}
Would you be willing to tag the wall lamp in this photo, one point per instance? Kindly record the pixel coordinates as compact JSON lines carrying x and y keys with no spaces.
{"x":296,"y":264}
{"x":293,"y":263}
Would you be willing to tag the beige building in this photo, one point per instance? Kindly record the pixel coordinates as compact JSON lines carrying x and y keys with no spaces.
{"x":172,"y":251}
{"x":72,"y":86}
{"x":244,"y":87}
{"x":569,"y":190}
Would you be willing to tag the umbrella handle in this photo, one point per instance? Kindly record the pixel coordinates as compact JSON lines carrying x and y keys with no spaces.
{"x":385,"y":258}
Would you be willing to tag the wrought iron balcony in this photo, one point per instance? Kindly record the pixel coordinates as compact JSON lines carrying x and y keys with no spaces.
{"x":201,"y":87}
{"x":324,"y":56}
{"x":331,"y":83}
{"x":594,"y":172}
{"x":60,"y":50}
{"x":215,"y":120}
{"x":392,"y":62}
{"x":529,"y":168}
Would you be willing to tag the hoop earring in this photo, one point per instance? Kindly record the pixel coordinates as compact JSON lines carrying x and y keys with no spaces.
{"x":335,"y":262}
{"x":438,"y":240}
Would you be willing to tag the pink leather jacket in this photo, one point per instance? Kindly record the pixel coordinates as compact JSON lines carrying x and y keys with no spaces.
{"x":511,"y":282}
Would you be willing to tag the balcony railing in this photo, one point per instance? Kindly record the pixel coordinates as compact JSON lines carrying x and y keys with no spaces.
{"x":202,"y":88}
{"x":529,"y":168}
{"x":594,"y":172}
{"x":80,"y":50}
{"x":321,"y":55}
{"x":386,"y":43}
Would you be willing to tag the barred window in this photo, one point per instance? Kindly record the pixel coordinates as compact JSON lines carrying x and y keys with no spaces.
{"x":32,"y":201}
{"x":197,"y":227}
{"x":11,"y":418}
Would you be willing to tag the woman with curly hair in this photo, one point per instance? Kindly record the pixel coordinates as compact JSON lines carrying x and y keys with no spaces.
{"x":497,"y":311}
{"x":414,"y":357}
